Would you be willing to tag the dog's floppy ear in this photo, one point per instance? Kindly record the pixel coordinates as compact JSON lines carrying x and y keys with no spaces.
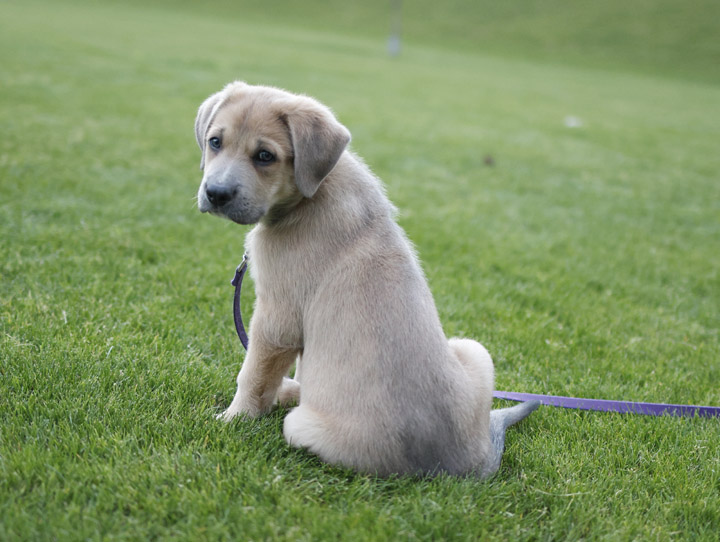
{"x":202,"y":121}
{"x":207,"y":112}
{"x":318,"y":141}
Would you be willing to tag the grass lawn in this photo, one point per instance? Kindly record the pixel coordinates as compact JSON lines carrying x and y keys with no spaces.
{"x":585,"y":258}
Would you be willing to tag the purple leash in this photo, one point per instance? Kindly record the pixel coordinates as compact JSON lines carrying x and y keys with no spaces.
{"x":603,"y":405}
{"x":237,"y":282}
{"x":624,"y":407}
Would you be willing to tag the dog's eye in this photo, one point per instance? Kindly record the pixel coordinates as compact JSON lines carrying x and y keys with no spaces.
{"x":215,"y":143}
{"x":264,"y":157}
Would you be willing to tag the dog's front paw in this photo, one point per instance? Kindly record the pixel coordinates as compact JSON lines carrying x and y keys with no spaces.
{"x":239,"y":407}
{"x":227,"y":415}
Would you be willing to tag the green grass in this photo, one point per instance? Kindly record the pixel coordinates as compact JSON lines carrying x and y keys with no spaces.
{"x":585,"y":259}
{"x":663,"y":37}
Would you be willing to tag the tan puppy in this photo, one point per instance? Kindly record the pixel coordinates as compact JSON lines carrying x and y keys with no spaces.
{"x":339,"y":289}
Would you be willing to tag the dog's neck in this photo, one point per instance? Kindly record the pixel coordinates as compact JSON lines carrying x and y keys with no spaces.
{"x":346,"y":190}
{"x":281,"y":211}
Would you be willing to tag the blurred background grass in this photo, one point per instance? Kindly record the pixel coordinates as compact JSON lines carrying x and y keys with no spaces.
{"x":661,"y":37}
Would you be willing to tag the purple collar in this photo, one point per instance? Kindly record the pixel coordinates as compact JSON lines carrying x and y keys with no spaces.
{"x":603,"y":405}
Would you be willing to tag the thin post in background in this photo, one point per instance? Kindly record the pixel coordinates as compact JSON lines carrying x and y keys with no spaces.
{"x":395,"y":27}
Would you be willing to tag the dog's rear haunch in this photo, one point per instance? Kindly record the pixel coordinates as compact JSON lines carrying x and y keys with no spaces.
{"x":339,"y":292}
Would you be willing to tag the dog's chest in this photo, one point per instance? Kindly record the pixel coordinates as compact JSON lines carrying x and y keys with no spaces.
{"x":278,"y":271}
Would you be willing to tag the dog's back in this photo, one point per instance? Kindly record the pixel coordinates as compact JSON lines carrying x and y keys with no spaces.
{"x":382,"y":389}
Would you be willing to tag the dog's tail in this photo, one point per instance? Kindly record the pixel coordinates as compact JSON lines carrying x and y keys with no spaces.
{"x":500,"y":420}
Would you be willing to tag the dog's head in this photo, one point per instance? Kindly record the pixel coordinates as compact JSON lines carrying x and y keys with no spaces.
{"x":263,"y":151}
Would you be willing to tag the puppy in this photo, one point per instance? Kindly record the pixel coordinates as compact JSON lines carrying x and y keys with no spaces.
{"x":340,"y":291}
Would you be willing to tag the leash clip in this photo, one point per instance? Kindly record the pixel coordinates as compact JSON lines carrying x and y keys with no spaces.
{"x":240,"y":270}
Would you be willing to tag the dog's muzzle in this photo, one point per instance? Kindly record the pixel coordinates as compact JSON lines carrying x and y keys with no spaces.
{"x":228,"y":202}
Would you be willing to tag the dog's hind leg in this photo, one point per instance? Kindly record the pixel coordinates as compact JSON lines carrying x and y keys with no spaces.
{"x":500,"y":420}
{"x":305,"y":428}
{"x":348,"y":443}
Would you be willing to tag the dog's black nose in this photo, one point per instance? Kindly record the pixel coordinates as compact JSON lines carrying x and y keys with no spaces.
{"x":218,"y":194}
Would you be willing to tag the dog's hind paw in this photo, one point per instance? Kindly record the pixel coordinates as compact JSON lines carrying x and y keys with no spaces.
{"x":289,"y":392}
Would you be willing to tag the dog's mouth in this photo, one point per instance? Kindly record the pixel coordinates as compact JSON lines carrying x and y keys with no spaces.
{"x":243,"y":215}
{"x":241,"y":220}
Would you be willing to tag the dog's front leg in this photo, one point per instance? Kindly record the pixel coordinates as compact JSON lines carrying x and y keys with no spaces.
{"x":261,"y":377}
